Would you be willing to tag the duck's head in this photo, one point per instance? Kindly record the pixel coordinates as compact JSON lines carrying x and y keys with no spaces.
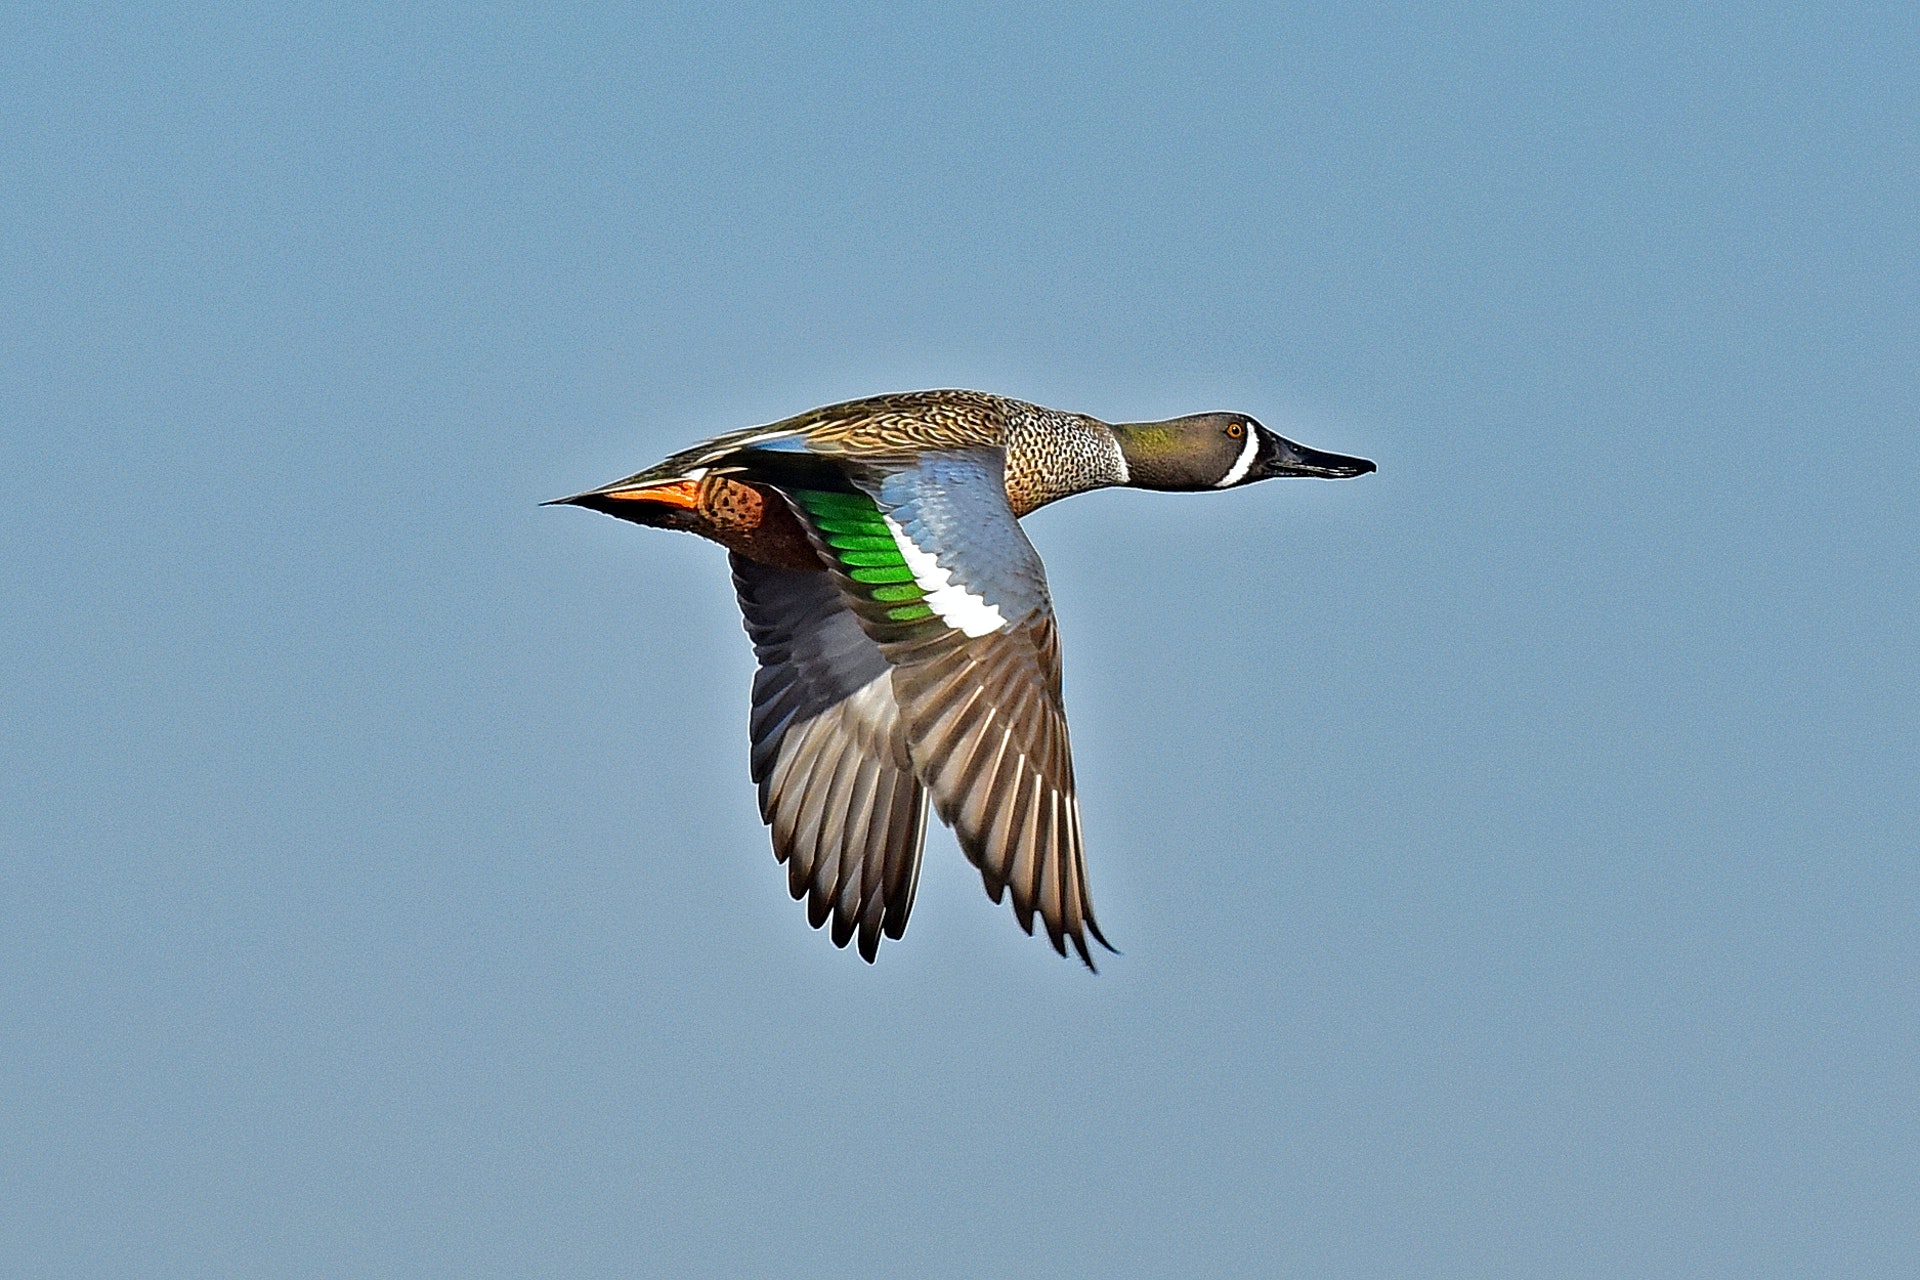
{"x":1220,"y":451}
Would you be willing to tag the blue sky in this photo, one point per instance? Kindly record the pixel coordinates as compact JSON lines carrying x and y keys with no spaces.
{"x":1512,"y":851}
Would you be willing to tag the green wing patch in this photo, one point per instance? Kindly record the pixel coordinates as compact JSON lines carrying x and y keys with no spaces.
{"x":857,"y":534}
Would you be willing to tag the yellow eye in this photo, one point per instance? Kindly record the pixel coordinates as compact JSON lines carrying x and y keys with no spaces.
{"x":1235,"y":430}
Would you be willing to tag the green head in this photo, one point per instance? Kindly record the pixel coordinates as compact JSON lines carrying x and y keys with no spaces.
{"x":1220,"y":451}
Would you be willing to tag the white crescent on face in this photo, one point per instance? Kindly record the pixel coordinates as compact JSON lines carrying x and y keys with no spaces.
{"x":1242,"y":464}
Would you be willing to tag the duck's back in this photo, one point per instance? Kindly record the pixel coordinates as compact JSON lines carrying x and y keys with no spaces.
{"x":875,"y":427}
{"x":1049,"y":454}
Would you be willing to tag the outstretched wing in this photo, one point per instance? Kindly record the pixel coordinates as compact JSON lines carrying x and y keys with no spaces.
{"x":830,"y":756}
{"x":928,"y":553}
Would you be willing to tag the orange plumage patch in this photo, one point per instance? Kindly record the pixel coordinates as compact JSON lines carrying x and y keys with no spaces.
{"x":671,"y":493}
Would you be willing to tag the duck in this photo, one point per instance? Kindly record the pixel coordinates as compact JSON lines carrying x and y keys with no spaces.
{"x":907,"y":653}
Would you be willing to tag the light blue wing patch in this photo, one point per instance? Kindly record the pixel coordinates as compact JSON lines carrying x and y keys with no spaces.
{"x":795,"y":443}
{"x":959,"y":535}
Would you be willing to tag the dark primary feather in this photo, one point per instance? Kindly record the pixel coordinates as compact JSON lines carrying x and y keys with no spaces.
{"x":988,"y":736}
{"x":829,"y":755}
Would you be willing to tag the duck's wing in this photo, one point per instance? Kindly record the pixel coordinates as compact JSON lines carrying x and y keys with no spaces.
{"x":830,"y":756}
{"x":927,"y":551}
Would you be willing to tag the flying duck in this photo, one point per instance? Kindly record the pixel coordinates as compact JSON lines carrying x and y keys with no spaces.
{"x":905,"y":636}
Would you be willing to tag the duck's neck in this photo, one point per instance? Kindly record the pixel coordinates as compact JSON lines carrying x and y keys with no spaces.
{"x":1160,"y":455}
{"x":1053,"y":455}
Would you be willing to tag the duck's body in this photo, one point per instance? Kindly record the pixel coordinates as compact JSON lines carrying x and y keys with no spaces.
{"x":905,"y":634}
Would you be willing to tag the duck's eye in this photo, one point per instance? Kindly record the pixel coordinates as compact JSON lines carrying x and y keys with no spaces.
{"x":1235,"y":430}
